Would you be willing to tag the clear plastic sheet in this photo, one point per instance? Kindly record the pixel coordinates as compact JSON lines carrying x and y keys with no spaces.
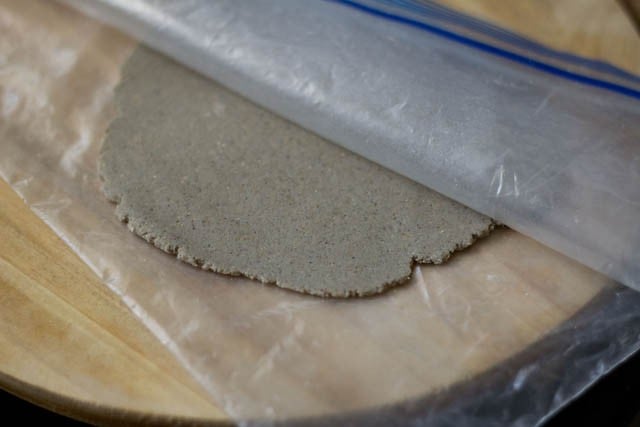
{"x":543,"y":141}
{"x":503,"y":334}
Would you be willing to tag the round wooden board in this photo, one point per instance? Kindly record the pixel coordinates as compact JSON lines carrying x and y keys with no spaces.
{"x":68,"y":343}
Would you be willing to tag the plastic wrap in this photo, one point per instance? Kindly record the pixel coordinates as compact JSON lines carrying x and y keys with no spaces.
{"x":543,"y":141}
{"x":503,"y":334}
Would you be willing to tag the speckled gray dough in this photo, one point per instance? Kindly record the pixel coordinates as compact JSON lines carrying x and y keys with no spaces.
{"x":227,"y":186}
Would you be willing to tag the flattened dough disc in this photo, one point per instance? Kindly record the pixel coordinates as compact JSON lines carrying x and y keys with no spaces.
{"x":228,"y":186}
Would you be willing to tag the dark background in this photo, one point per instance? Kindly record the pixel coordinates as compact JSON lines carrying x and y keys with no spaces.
{"x":613,"y":402}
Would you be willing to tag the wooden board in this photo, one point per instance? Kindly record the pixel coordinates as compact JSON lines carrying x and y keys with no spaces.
{"x":56,"y":318}
{"x":69,"y":343}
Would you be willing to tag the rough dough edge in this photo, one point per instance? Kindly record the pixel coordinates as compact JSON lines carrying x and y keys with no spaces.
{"x":180,"y":254}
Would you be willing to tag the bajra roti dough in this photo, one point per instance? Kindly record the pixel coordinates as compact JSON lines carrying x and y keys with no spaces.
{"x":230,"y":187}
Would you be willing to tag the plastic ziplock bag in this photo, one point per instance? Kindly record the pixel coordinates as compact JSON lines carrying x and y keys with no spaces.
{"x":503,"y":334}
{"x":543,"y":141}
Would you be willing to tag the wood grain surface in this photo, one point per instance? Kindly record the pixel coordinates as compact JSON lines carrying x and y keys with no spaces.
{"x":592,"y":28}
{"x":69,"y":343}
{"x":63,"y":330}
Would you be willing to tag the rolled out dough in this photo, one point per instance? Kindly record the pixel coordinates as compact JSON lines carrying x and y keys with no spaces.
{"x":228,"y":186}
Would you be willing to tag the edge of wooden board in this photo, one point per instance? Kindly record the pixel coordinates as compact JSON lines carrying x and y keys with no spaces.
{"x":409,"y":410}
{"x":94,"y":413}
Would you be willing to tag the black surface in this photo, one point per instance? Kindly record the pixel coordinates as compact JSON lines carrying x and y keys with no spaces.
{"x":614,"y":401}
{"x":25,"y":413}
